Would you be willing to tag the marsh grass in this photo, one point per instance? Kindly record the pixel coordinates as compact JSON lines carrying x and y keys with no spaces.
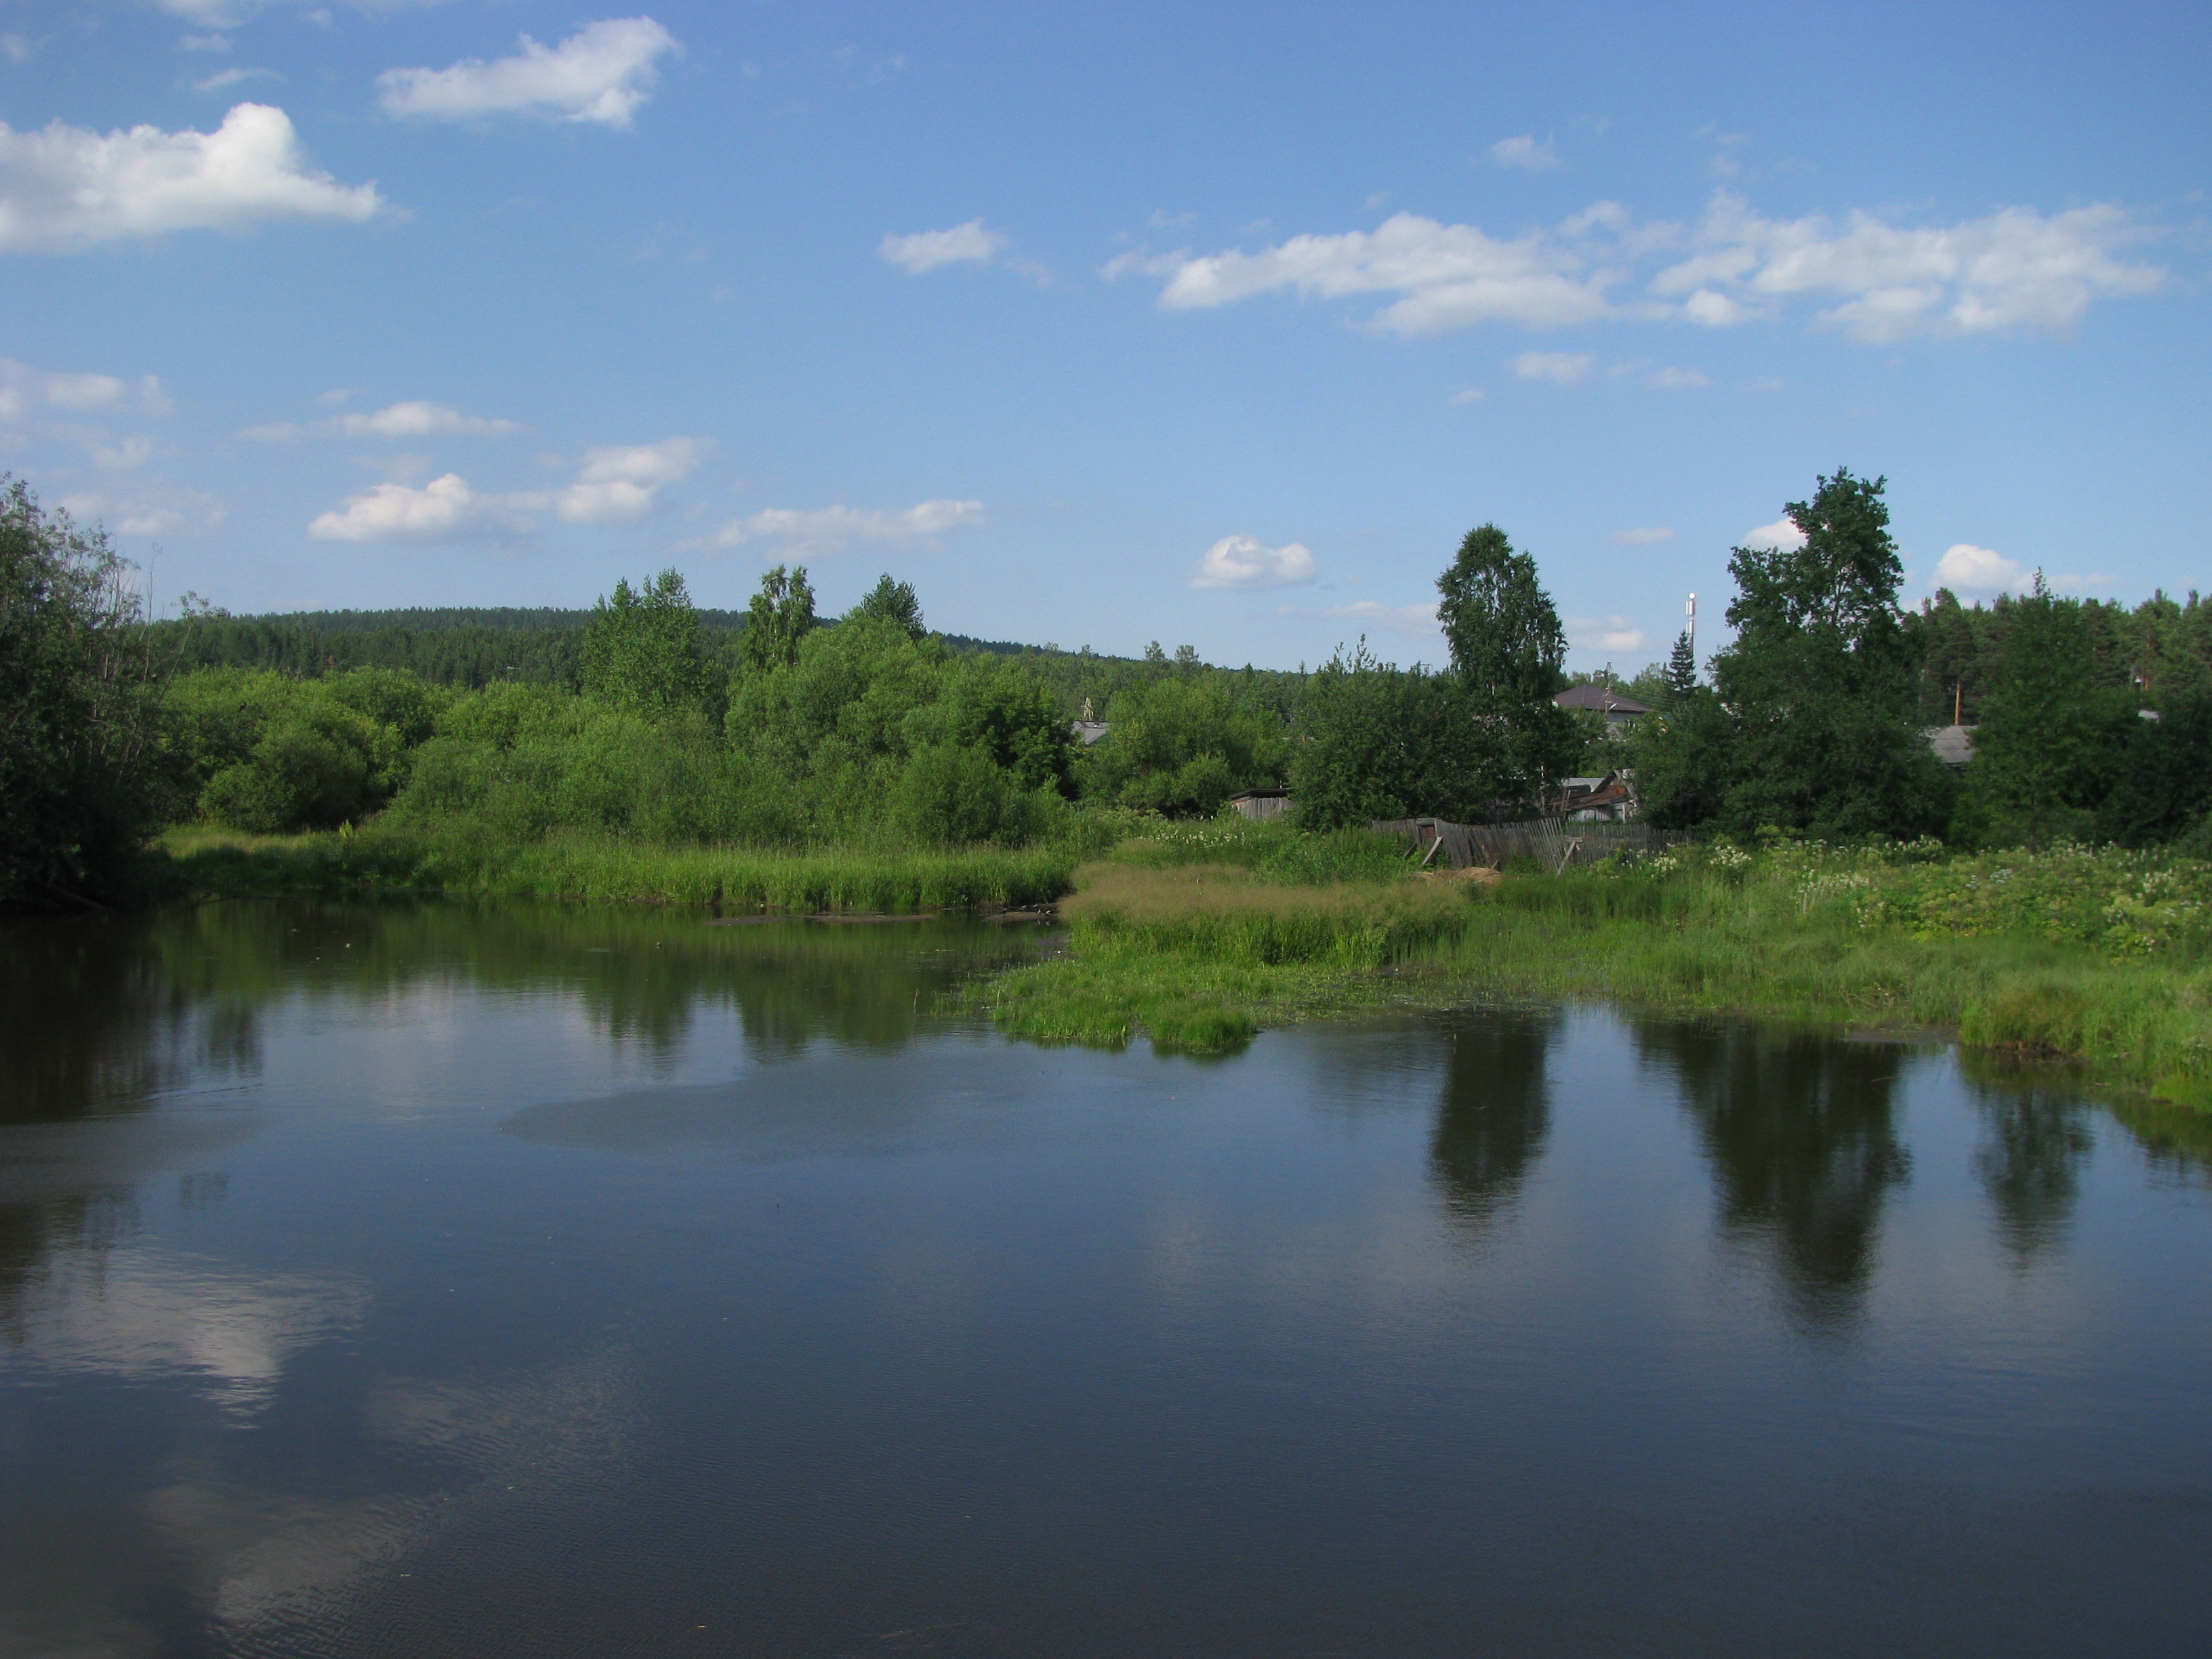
{"x":1167,"y":949}
{"x":380,"y":860}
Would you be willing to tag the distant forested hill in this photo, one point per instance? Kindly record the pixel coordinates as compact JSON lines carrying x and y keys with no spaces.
{"x":475,"y":647}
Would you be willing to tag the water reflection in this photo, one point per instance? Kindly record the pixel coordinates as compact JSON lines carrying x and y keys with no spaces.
{"x":2037,"y":1140}
{"x":1801,"y":1134}
{"x":1493,"y":1115}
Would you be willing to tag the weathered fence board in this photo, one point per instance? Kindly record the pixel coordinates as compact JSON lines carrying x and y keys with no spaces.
{"x":1551,"y":842}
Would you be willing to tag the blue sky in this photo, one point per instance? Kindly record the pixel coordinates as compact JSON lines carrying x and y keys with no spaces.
{"x":1216,"y":325}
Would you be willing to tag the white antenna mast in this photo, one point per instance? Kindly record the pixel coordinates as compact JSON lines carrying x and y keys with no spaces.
{"x":1692,"y":610}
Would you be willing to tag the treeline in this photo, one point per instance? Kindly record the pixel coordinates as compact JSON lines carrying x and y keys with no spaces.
{"x":543,"y":645}
{"x":2091,"y":722}
{"x":648,"y":718}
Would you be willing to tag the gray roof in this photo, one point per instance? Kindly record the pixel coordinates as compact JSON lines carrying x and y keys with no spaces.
{"x":1954,"y":744}
{"x":1603,"y":698}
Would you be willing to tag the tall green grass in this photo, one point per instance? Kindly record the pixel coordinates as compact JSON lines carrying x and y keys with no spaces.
{"x":576,"y":866}
{"x":1795,"y":935}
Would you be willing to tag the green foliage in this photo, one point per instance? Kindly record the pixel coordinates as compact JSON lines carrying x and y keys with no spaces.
{"x":259,"y":752}
{"x":1275,"y":850}
{"x":955,"y":794}
{"x":779,"y":618}
{"x":2161,"y":786}
{"x":640,"y":650}
{"x":1182,"y":744}
{"x":891,"y":602}
{"x":2044,"y":752}
{"x":1507,"y":648}
{"x":1374,"y":741}
{"x":1814,"y":726}
{"x":78,"y":786}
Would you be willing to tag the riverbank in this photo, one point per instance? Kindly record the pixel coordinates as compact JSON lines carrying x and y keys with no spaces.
{"x":199,"y":864}
{"x":2094,"y":957}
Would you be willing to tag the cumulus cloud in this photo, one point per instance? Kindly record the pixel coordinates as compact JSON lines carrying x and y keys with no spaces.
{"x":1604,"y":633}
{"x":63,"y":188}
{"x":1675,"y":380}
{"x":1560,"y":368}
{"x":1650,"y":536}
{"x":615,"y":485}
{"x":2013,"y":270}
{"x":1473,"y":394}
{"x":230,"y":77}
{"x":1966,"y":569}
{"x":827,"y":530}
{"x":926,"y":250}
{"x":601,"y":73}
{"x":440,"y":510}
{"x":1241,"y":561}
{"x":1448,"y":277}
{"x":618,"y":483}
{"x":1524,"y":153}
{"x":24,"y":390}
{"x":420,"y":419}
{"x":1781,"y":535}
{"x":2016,"y":269}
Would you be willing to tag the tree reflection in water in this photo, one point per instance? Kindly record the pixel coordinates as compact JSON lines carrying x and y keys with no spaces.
{"x":1799,"y":1131}
{"x":2038,"y":1139}
{"x":1494,"y":1114}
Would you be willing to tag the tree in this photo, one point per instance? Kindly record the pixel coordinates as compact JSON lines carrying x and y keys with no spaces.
{"x":1681,"y":670}
{"x":1820,"y":686}
{"x":641,"y":651}
{"x":1183,"y":745}
{"x":79,"y":784}
{"x":1373,"y":741}
{"x":891,"y":602}
{"x":1507,"y":649}
{"x":2049,"y":736}
{"x":780,"y":615}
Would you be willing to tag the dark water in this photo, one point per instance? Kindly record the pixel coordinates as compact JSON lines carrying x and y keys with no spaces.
{"x":439,"y":1282}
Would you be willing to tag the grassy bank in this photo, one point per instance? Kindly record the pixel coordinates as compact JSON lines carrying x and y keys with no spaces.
{"x":203,"y":863}
{"x":2098,"y":958}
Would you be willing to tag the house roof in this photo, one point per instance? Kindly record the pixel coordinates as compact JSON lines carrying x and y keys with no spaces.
{"x":1603,"y":698}
{"x":1954,"y":744}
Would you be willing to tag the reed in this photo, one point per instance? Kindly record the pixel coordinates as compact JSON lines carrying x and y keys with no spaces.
{"x":380,"y":859}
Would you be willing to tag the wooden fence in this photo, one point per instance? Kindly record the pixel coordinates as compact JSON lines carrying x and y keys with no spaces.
{"x":1551,"y":842}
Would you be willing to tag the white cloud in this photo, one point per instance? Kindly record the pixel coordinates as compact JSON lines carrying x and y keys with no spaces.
{"x":1241,"y":561}
{"x":926,"y":250}
{"x":274,"y":432}
{"x":618,"y":483}
{"x":62,"y":188}
{"x":231,"y":78}
{"x":24,"y":390}
{"x":16,"y":49}
{"x":1473,"y":394}
{"x":826,"y":530}
{"x":2014,"y":270}
{"x":2011,"y":271}
{"x":1417,"y":620}
{"x":1675,"y":380}
{"x":1448,"y":277}
{"x":1966,"y":569}
{"x":1524,"y":153}
{"x":1651,"y":536}
{"x":615,"y":485}
{"x":1781,"y":535}
{"x":421,"y":419}
{"x":396,"y":513}
{"x":1604,"y":633}
{"x":1561,"y":367}
{"x":601,"y":73}
{"x":155,"y":509}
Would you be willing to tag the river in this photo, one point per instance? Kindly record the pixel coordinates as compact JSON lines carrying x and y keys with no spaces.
{"x":529,"y":1281}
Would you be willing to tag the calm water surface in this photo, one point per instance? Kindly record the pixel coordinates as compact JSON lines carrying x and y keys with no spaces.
{"x":445,"y":1282}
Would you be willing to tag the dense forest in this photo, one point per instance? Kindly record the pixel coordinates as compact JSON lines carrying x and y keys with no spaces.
{"x":647,"y":717}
